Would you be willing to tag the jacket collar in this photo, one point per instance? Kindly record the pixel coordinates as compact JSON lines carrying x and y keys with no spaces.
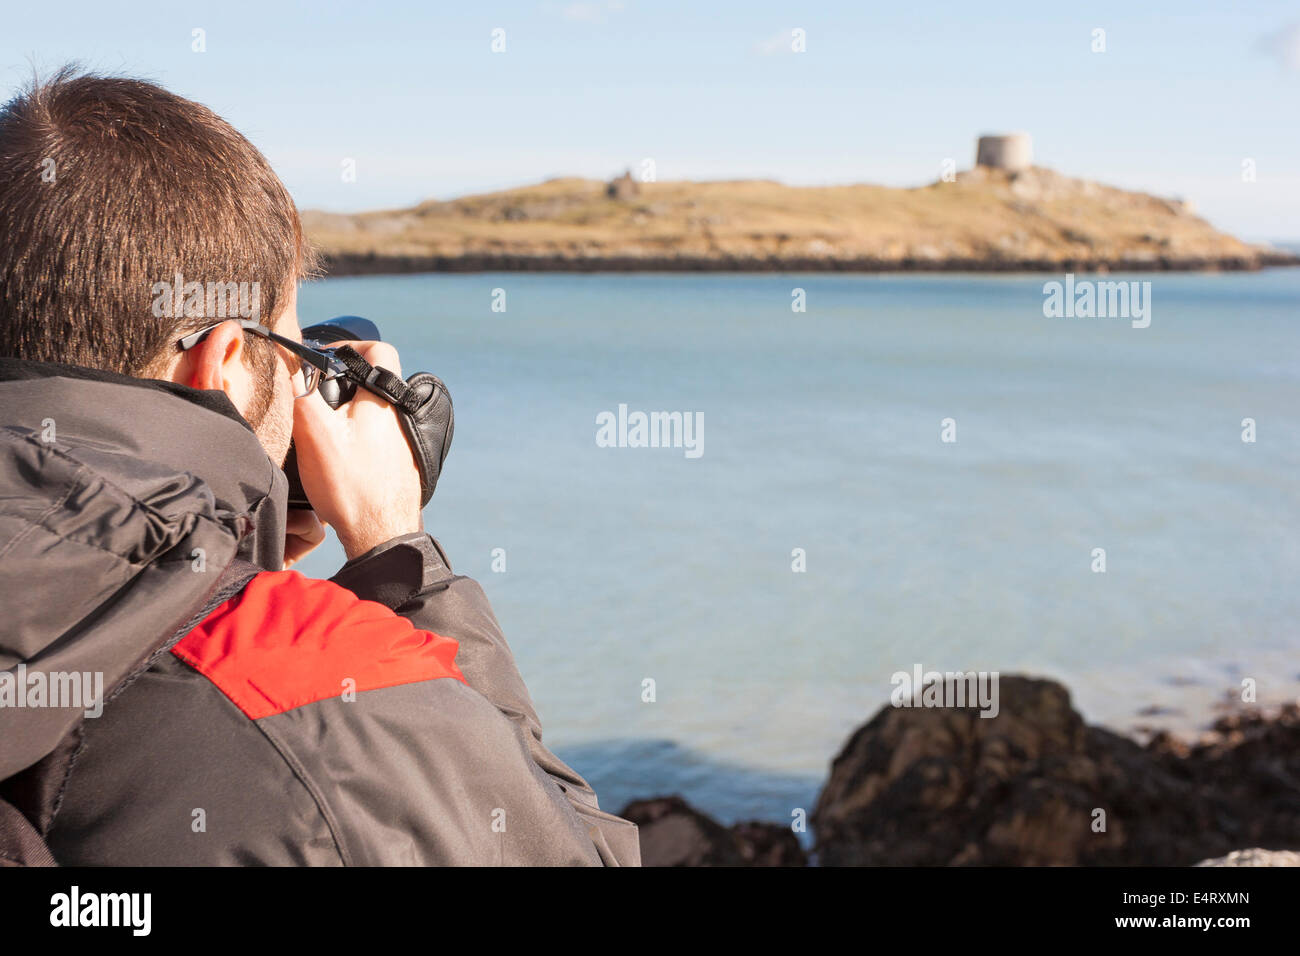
{"x":192,"y":430}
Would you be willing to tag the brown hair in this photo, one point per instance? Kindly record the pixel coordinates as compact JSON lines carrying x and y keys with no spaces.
{"x":109,"y":185}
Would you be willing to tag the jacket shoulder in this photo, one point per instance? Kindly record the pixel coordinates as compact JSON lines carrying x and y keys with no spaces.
{"x":287,"y":640}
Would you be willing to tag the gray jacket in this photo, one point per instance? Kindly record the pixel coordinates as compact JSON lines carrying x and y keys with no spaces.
{"x":249,"y":715}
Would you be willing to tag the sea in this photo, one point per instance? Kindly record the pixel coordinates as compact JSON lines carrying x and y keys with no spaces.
{"x":881,"y":472}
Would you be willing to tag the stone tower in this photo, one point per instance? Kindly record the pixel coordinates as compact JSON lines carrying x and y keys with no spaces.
{"x":1010,"y":151}
{"x":624,"y":187}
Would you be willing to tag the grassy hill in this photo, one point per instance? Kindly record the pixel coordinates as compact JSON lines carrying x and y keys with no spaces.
{"x":985,"y":220}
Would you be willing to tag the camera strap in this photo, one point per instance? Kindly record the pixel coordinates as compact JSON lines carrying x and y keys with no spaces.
{"x":423,"y":408}
{"x":379,"y":380}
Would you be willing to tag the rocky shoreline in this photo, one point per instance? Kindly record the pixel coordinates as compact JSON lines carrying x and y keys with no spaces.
{"x":367,"y":264}
{"x":1032,"y":786}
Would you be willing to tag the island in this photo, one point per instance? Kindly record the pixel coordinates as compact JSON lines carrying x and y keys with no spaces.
{"x":1002,"y":215}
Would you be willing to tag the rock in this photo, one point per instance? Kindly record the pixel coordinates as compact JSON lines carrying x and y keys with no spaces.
{"x":768,"y":844}
{"x":673,"y":833}
{"x":1036,"y":786}
{"x":1255,"y":857}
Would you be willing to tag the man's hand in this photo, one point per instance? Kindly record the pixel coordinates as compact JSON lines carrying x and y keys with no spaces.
{"x":303,"y":534}
{"x":356,"y":466}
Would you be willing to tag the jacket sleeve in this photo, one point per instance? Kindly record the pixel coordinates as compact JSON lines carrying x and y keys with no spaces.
{"x":411,"y":575}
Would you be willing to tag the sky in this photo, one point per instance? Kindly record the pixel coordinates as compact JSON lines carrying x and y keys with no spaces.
{"x":1186,"y":100}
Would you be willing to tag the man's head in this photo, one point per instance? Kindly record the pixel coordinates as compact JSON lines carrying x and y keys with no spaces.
{"x":114,"y":192}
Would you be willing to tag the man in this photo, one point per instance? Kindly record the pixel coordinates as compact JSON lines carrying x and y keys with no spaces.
{"x":169,"y":693}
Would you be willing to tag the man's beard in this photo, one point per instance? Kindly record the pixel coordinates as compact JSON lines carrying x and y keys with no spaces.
{"x":271,"y":417}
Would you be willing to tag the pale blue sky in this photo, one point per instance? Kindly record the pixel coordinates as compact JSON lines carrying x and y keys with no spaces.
{"x":412,"y":91}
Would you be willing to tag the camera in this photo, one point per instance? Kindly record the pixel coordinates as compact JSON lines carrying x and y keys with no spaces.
{"x":340,"y":389}
{"x":422,"y":402}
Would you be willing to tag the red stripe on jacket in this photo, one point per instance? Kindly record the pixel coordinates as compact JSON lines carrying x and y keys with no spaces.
{"x":287,"y":640}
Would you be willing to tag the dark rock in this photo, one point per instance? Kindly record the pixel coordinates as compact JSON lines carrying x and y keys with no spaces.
{"x":934,"y":786}
{"x":768,"y":844}
{"x":675,"y":834}
{"x":1158,"y":710}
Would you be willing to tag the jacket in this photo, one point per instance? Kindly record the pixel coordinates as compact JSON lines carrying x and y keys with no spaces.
{"x":247,"y":714}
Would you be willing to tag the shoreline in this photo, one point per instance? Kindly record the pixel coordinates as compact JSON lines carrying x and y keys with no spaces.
{"x":1036,"y":785}
{"x":341,"y":265}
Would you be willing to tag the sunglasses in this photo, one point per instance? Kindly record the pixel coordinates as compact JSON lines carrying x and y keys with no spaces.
{"x":316,"y":365}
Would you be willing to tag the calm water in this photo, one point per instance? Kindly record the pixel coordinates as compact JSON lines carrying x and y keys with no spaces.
{"x":822,"y":432}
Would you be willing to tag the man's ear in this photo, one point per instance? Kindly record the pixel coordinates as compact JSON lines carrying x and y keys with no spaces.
{"x":218,"y":363}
